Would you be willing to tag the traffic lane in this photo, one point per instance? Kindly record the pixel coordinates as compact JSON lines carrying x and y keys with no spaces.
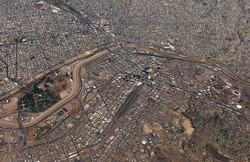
{"x":74,"y":92}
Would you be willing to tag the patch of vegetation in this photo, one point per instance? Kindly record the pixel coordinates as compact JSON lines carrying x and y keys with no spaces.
{"x":49,"y":80}
{"x":60,"y":78}
{"x":39,"y":99}
{"x":60,"y":113}
{"x":42,"y":131}
{"x":64,"y":86}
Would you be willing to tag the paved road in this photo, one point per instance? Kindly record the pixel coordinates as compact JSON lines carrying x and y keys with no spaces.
{"x":77,"y":80}
{"x":131,"y":99}
{"x":47,"y":71}
{"x":76,"y":89}
{"x":212,"y":62}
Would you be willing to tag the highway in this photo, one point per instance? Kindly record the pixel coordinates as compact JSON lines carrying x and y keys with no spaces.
{"x":215,"y":63}
{"x":76,"y":89}
{"x":47,"y":71}
{"x":131,"y":99}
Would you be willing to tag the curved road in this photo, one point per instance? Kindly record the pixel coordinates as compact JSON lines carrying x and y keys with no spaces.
{"x":47,"y":71}
{"x":76,"y":89}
